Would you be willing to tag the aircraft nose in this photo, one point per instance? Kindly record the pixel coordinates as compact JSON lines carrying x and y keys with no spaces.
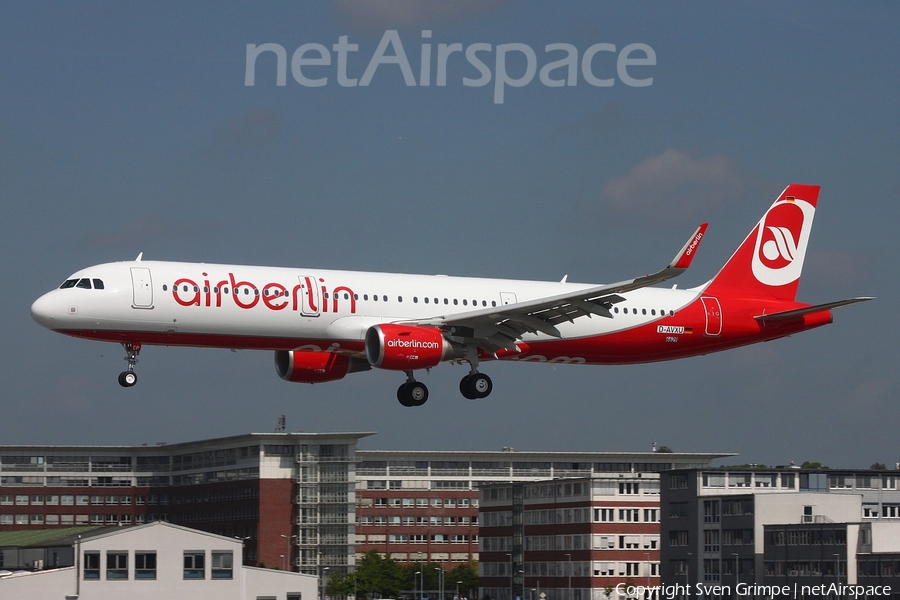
{"x":45,"y":311}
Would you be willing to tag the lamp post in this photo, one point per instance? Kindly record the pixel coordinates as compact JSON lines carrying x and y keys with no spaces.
{"x":322,"y":577}
{"x":419,"y":574}
{"x":736,"y":568}
{"x":287,"y":541}
{"x":569,"y":592}
{"x":649,"y":593}
{"x":440,"y":582}
{"x":511,"y":591}
{"x":687,"y":575}
{"x":457,"y":589}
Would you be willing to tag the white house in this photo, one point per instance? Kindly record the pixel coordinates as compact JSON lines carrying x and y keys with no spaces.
{"x":159,"y":560}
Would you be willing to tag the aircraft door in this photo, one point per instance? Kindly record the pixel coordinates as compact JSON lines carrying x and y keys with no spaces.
{"x":713,"y":316}
{"x":309,"y":297}
{"x":507,"y":298}
{"x":142,"y":286}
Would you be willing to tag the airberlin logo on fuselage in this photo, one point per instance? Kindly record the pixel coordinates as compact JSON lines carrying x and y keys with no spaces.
{"x":781,"y":241}
{"x":309,"y":296}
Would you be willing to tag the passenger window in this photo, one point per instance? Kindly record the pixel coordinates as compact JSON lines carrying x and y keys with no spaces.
{"x":436,"y":301}
{"x":196,"y":289}
{"x":68,"y":283}
{"x":84,"y":284}
{"x":493,"y":303}
{"x":384,"y":298}
{"x":374,"y":297}
{"x":426,"y":299}
{"x":653,"y":311}
{"x":616,"y":310}
{"x":346,"y":296}
{"x":643,"y":311}
{"x":165,"y":287}
{"x":446,"y":301}
{"x":415,"y":299}
{"x":365,"y":296}
{"x":399,"y":298}
{"x":356,"y":296}
{"x":455,"y":302}
{"x":465,"y":302}
{"x":98,"y":284}
{"x":484,"y":302}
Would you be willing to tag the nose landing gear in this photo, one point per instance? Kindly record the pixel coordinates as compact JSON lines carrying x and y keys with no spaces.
{"x":129,"y":378}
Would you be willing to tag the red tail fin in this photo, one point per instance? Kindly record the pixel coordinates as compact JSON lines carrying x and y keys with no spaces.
{"x":769,"y":261}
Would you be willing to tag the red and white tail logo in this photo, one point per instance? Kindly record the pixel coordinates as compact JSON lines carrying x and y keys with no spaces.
{"x":781,"y":240}
{"x":770,"y":260}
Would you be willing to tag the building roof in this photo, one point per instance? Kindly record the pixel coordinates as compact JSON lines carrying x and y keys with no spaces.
{"x":48,"y":537}
{"x":167,"y":448}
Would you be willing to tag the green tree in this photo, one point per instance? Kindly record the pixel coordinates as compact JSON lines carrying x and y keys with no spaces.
{"x":374,"y":574}
{"x":812,"y":465}
{"x":468,"y":575}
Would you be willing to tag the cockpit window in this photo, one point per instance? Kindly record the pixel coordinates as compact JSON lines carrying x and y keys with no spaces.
{"x":98,"y":284}
{"x":68,"y":283}
{"x":84,"y":283}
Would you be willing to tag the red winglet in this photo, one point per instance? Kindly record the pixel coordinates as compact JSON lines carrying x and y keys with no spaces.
{"x":683,"y":259}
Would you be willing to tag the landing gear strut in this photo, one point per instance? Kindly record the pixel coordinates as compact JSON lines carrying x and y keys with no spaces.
{"x":475,"y":385}
{"x":129,"y":378}
{"x":412,"y":393}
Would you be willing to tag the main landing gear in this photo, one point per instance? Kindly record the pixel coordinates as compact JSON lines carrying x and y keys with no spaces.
{"x":473,"y":386}
{"x":129,"y":378}
{"x":412,"y":393}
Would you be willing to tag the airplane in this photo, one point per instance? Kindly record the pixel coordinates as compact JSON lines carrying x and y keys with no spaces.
{"x":323,"y":324}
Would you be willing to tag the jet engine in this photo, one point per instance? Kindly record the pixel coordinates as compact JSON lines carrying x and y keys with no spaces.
{"x":408,"y":347}
{"x":304,"y":366}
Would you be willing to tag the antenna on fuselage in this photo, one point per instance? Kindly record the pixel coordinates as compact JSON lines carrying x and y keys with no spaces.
{"x":139,"y":257}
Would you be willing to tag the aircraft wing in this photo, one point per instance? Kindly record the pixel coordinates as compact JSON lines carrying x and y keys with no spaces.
{"x":499,"y":327}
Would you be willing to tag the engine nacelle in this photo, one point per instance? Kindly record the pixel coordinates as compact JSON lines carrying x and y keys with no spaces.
{"x":408,"y":347}
{"x":303,"y":366}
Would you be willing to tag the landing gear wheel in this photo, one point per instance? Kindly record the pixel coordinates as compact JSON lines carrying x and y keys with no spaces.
{"x":127,"y":378}
{"x":476,"y":385}
{"x":412,"y":393}
{"x":465,"y":388}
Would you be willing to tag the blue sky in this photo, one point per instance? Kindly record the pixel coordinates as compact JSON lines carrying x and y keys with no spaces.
{"x":129,"y":128}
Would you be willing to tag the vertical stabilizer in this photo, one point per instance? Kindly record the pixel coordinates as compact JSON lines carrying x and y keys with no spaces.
{"x":769,"y":261}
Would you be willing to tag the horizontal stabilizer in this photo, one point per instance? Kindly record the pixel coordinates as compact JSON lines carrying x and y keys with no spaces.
{"x":792,"y":314}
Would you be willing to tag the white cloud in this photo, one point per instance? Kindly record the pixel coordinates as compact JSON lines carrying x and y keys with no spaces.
{"x":673,"y":184}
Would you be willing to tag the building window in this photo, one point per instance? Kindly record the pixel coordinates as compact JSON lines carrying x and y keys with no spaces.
{"x":222,"y":565}
{"x":145,"y":565}
{"x":117,"y":565}
{"x":92,"y":565}
{"x":194,"y":564}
